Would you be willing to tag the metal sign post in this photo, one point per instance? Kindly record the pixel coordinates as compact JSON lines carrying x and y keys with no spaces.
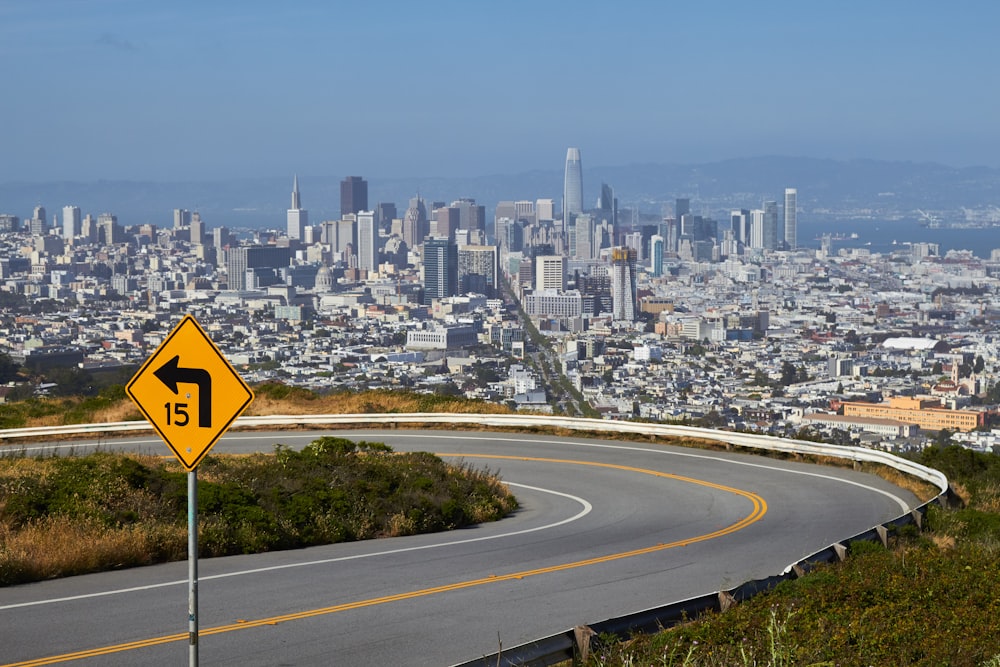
{"x":187,"y":369}
{"x":193,"y":568}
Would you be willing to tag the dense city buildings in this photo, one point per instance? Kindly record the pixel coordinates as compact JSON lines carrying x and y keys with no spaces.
{"x":672,"y":316}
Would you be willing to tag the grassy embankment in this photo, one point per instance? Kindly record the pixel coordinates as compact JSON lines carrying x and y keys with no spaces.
{"x":64,"y":516}
{"x":61,"y":516}
{"x":932,"y":598}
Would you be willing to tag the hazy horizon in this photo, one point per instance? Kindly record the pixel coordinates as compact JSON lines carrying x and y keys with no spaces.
{"x":111,"y":90}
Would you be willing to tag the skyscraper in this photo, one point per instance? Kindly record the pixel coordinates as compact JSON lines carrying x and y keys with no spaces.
{"x":367,"y":241}
{"x":682,"y":207}
{"x":353,"y":195}
{"x":440,"y":269}
{"x":609,"y":204}
{"x":656,"y":244}
{"x":72,"y":222}
{"x":415,"y":226}
{"x":297,"y":217}
{"x":623,"y":293}
{"x":770,"y":225}
{"x":791,"y":222}
{"x":572,"y":185}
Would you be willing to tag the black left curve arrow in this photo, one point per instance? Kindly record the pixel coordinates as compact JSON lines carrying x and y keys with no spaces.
{"x":171,"y":374}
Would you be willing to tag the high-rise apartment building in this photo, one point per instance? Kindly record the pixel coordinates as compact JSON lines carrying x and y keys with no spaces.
{"x":72,"y":223}
{"x":478,"y":269}
{"x":367,"y":241}
{"x":623,"y":285}
{"x":656,"y":245}
{"x":353,"y":195}
{"x":440,"y":269}
{"x":770,"y":225}
{"x":791,"y":222}
{"x":297,"y":217}
{"x":572,"y":185}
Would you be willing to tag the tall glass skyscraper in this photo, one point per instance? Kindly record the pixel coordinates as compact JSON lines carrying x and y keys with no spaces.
{"x":791,"y":240}
{"x":572,"y":185}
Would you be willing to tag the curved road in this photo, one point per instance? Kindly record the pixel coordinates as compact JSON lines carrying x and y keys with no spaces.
{"x":605,"y":528}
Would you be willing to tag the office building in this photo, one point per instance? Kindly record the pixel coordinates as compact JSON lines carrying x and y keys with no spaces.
{"x":109,"y":232}
{"x":297,"y":217}
{"x":550,"y":272}
{"x":572,"y":186}
{"x":791,"y":222}
{"x":585,"y":245}
{"x":38,"y":225}
{"x":545,"y":209}
{"x":608,"y":205}
{"x":353,"y":195}
{"x":445,"y":221}
{"x":368,"y":240}
{"x":440,"y":269}
{"x":72,"y":223}
{"x":182,"y":218}
{"x":470,"y":214}
{"x":385,"y":213}
{"x":623,"y":285}
{"x":740,"y":225}
{"x":243,"y":260}
{"x":682,"y":207}
{"x":197,"y":229}
{"x":415,"y":224}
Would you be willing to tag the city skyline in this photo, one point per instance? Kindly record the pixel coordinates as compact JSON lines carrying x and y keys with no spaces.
{"x":191,"y":91}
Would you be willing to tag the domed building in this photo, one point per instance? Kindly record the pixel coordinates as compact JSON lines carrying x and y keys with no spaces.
{"x":324,"y":279}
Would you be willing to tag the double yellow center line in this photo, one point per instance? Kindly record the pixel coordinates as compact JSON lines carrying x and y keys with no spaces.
{"x":757,"y":513}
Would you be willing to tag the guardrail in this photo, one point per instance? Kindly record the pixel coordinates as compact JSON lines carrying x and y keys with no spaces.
{"x":564,"y":646}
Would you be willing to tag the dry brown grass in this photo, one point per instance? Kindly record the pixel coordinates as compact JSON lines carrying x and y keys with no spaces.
{"x":58,"y":546}
{"x":124,"y":410}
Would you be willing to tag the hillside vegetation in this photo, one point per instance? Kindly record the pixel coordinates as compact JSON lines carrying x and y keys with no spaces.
{"x":932,"y":598}
{"x":68,"y":515}
{"x":112,"y":405}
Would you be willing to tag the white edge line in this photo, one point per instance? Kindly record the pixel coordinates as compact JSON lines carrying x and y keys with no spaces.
{"x":587,"y":508}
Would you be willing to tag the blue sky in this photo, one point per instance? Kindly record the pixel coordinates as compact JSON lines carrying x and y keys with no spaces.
{"x":122,"y":89}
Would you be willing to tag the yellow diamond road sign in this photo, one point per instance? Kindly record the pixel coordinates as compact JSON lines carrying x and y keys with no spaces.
{"x":189,"y":392}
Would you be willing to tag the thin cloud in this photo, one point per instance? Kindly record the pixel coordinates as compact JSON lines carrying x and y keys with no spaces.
{"x":116,"y":42}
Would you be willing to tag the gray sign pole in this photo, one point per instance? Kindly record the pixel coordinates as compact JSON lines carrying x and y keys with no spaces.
{"x":193,"y":567}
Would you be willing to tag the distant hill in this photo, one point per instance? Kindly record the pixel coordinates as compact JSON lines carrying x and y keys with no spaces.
{"x":652,"y":188}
